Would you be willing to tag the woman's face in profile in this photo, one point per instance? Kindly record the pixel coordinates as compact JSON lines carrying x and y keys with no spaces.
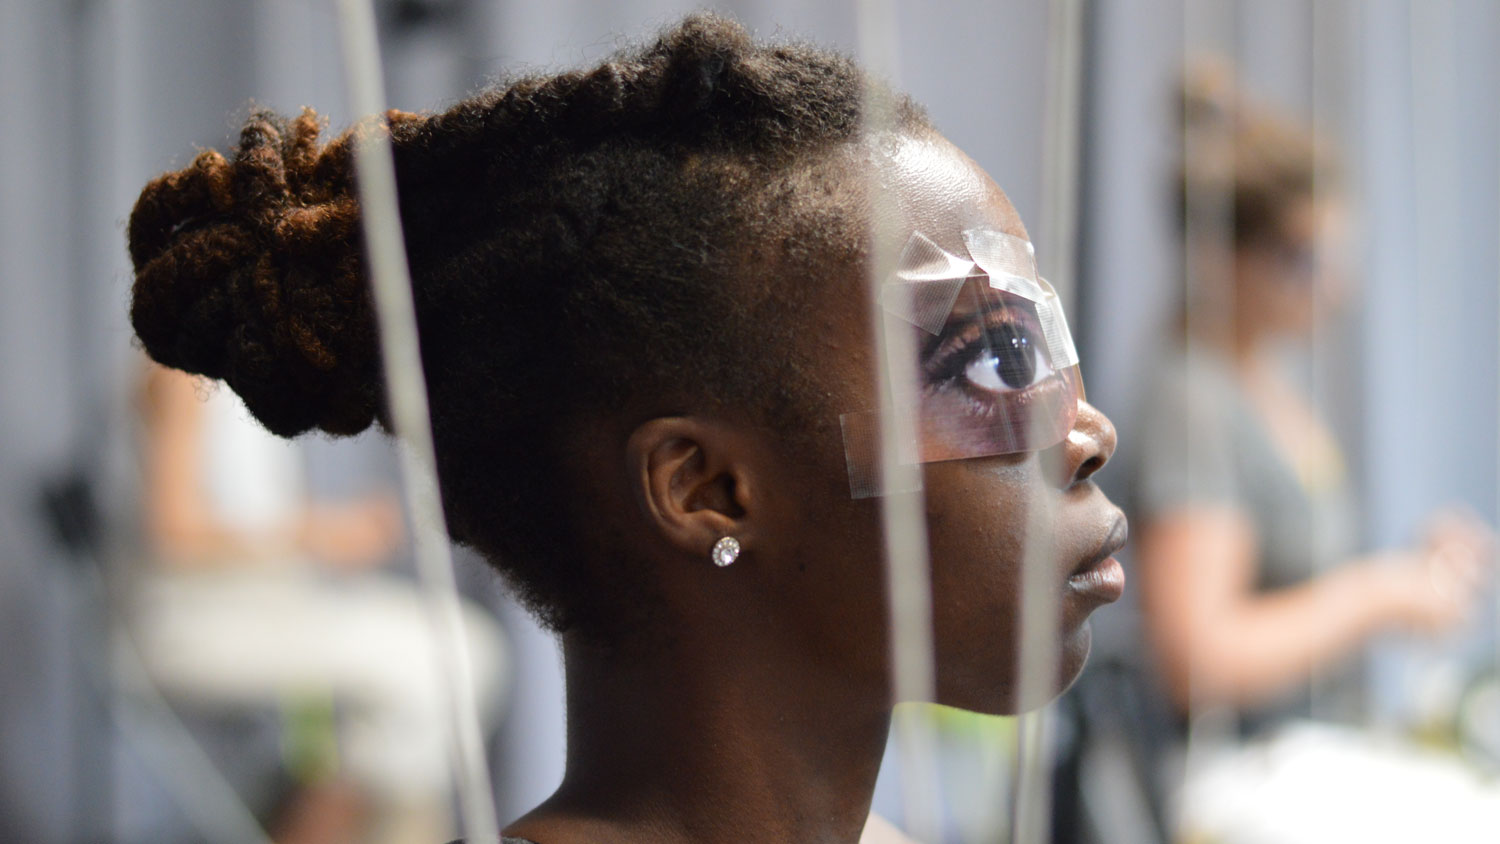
{"x":987,"y":516}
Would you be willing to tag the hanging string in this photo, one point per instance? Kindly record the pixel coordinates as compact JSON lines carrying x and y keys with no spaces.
{"x":1329,"y":364}
{"x":1041,"y":607}
{"x":1206,"y":232}
{"x":410,"y":418}
{"x":1495,"y":608}
{"x":908,"y":574}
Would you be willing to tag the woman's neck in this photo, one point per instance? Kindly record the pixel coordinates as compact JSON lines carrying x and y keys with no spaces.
{"x":703,"y":741}
{"x":1238,"y":339}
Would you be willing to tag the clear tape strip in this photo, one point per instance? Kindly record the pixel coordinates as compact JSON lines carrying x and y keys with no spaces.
{"x":1055,"y":331}
{"x":926,"y":283}
{"x":923,"y":260}
{"x":410,"y":418}
{"x":957,"y":436}
{"x":868,"y":477}
{"x":925,"y":303}
{"x":1009,"y":261}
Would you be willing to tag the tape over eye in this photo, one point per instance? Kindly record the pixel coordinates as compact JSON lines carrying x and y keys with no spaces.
{"x":928,"y":278}
{"x":1010,"y":262}
{"x":1005,"y":379}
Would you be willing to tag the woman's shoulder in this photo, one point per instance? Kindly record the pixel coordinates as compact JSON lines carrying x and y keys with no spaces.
{"x":877,"y":831}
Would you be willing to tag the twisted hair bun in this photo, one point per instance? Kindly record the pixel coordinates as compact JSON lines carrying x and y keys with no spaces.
{"x":1209,"y":97}
{"x":249,"y":270}
{"x":586,"y":245}
{"x":1243,"y":151}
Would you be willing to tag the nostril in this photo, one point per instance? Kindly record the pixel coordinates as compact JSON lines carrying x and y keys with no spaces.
{"x":1089,"y":467}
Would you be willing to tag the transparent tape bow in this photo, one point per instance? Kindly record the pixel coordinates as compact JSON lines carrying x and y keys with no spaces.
{"x":996,"y":369}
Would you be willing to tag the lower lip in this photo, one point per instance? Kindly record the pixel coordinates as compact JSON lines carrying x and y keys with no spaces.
{"x":1104,"y":582}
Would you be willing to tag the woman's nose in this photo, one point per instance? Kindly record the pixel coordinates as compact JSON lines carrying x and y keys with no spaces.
{"x":1088,"y":447}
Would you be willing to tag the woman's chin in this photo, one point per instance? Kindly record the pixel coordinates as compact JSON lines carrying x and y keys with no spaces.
{"x":1007,"y":696}
{"x":1075,"y":655}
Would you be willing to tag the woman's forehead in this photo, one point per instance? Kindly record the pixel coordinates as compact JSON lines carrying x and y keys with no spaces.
{"x":930,"y":186}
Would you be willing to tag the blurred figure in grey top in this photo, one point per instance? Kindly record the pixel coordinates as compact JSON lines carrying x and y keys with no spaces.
{"x":1246,"y":525}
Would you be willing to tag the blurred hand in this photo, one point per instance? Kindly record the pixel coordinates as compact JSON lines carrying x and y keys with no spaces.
{"x":355,"y":534}
{"x":1435,"y":588}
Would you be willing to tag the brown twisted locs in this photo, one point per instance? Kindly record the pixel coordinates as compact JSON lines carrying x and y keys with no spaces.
{"x":582,"y":245}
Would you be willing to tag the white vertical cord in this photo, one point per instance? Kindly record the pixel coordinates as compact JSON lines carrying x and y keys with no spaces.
{"x":1060,"y":147}
{"x":396,"y":311}
{"x":1206,"y":228}
{"x":1041,"y":607}
{"x":908,"y":580}
{"x":1434,"y":72}
{"x":1318,"y":30}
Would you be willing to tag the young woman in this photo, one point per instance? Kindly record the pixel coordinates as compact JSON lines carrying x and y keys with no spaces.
{"x":1250,"y":581}
{"x":643,"y":305}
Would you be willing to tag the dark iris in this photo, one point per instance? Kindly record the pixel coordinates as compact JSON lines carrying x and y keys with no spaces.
{"x":1015,"y":359}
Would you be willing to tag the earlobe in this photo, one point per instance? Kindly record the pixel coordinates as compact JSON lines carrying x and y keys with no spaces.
{"x":691,"y":482}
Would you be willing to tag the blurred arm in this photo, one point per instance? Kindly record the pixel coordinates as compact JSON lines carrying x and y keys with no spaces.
{"x":1218,"y":640}
{"x":183,"y":526}
{"x":179,"y":520}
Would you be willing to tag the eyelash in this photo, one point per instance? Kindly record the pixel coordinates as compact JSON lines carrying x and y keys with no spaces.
{"x":952,"y":352}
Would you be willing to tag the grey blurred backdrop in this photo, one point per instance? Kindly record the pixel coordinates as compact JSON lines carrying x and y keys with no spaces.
{"x":96,"y":97}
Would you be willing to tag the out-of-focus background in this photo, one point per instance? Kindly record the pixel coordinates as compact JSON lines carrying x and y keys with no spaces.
{"x":116,"y":615}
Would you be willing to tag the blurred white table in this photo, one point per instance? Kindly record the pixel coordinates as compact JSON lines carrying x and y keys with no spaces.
{"x":1318,"y":783}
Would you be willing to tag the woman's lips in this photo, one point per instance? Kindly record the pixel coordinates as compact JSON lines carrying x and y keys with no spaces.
{"x":1101,"y":577}
{"x":1104,"y":581}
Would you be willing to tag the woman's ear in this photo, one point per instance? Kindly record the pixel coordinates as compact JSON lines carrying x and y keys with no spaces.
{"x":695,"y":482}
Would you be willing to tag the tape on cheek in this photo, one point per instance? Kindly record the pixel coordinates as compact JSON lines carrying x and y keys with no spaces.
{"x":946,"y":430}
{"x":862,"y":455}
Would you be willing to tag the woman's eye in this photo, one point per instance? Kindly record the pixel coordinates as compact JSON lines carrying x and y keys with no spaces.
{"x":1011,"y":360}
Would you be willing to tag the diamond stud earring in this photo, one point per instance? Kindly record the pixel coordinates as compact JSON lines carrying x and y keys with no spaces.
{"x":726,"y":551}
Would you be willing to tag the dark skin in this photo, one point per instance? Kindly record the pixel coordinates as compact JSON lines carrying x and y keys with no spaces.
{"x":758,"y":707}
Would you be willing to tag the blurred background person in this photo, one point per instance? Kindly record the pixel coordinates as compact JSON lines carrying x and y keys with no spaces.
{"x":1257,"y":605}
{"x":260,"y":597}
{"x":1246,"y":524}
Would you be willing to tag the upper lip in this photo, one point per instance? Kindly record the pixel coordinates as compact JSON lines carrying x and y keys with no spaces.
{"x":1113,"y":542}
